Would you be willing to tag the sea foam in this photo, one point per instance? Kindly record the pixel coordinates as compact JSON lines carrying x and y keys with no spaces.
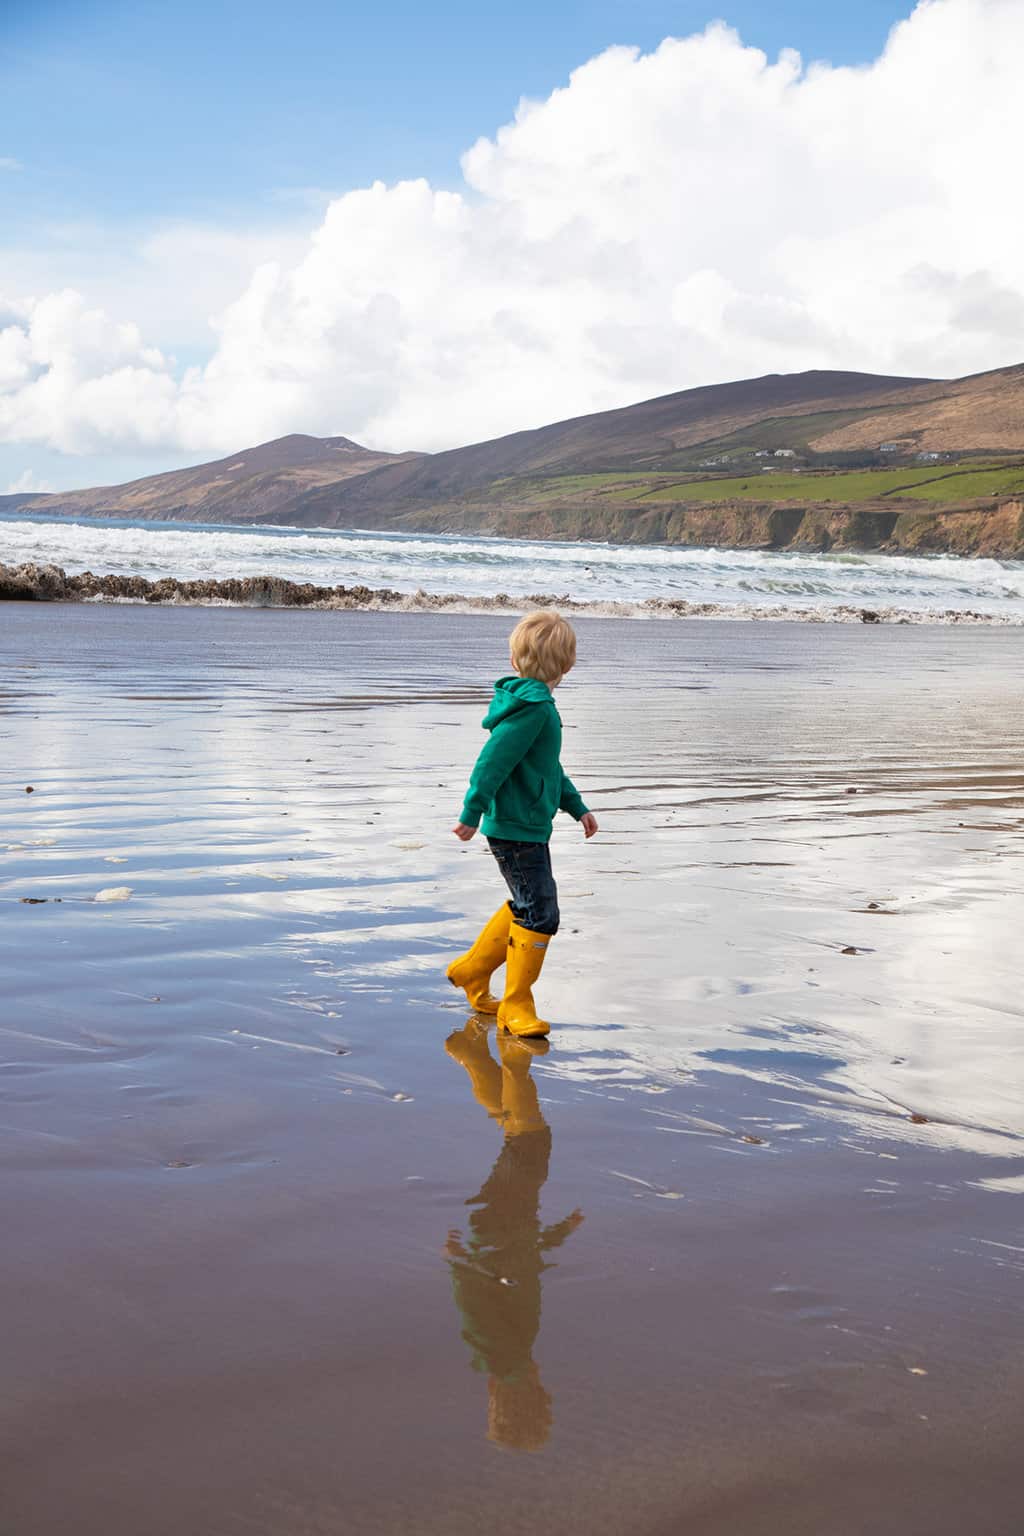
{"x":741,"y":582}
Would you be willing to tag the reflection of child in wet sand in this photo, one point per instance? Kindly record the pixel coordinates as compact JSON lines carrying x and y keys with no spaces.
{"x":496,"y":1269}
{"x":515,"y":791}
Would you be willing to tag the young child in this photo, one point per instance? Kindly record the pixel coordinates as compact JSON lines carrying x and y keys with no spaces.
{"x":516,"y":788}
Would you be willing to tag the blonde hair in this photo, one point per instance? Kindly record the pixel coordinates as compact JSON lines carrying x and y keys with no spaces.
{"x":543,"y":645}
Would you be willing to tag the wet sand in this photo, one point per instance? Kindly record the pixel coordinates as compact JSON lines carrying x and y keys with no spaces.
{"x":294,"y":1249}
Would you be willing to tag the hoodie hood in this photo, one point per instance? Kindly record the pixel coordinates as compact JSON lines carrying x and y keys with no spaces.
{"x":512,"y":694}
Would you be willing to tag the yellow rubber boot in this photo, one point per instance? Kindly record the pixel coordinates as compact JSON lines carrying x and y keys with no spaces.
{"x":468,"y":1046}
{"x":518,"y":1089}
{"x":473,"y":970}
{"x":526,"y":951}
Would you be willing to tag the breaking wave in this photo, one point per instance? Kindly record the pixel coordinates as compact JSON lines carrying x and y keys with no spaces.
{"x":593,"y":577}
{"x":49,"y":583}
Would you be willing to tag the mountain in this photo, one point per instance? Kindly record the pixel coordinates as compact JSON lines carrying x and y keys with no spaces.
{"x":810,"y":460}
{"x":262,"y":484}
{"x":636,"y":437}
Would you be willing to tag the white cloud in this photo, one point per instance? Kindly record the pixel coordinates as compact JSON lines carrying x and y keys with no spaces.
{"x":664,"y":220}
{"x":27,"y":481}
{"x":8,"y":163}
{"x":73,"y":378}
{"x":170,"y":278}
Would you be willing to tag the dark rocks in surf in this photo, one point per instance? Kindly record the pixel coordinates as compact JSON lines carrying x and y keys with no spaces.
{"x":32,"y":583}
{"x":49,"y":583}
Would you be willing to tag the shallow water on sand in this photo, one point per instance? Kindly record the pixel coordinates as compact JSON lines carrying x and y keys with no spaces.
{"x":293,"y":1248}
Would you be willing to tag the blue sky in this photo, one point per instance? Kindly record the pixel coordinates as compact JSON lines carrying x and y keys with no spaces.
{"x":154,"y":154}
{"x":201,"y":107}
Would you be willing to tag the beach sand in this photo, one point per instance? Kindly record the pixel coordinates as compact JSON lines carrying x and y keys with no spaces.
{"x":293,"y":1249}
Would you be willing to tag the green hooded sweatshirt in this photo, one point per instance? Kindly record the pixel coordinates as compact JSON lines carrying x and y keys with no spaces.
{"x":517,"y":784}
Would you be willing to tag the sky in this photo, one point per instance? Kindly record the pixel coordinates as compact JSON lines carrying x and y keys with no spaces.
{"x":423,"y":226}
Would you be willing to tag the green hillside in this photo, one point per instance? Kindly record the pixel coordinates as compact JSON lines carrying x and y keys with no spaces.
{"x":942,"y":484}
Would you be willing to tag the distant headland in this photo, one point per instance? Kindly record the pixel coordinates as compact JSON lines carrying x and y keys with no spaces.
{"x":811,"y":461}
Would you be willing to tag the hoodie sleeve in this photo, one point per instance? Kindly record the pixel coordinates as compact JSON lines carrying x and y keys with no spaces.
{"x":509,"y":742}
{"x":570,"y":799}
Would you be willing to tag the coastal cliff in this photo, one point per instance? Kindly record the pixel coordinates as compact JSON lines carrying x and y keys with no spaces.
{"x":993,"y":530}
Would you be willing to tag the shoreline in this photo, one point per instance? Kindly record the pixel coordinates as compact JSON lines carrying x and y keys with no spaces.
{"x":31,"y":582}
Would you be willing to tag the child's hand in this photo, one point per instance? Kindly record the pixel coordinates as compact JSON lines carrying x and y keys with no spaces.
{"x":589,"y":824}
{"x":464,"y":833}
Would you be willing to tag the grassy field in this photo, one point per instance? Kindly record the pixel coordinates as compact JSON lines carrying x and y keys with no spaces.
{"x":973,"y":482}
{"x":541,"y":488}
{"x":946,"y":484}
{"x":938,"y":483}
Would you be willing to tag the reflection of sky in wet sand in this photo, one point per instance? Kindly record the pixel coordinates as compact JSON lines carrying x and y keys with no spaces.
{"x":799,"y":1165}
{"x":299,"y":799}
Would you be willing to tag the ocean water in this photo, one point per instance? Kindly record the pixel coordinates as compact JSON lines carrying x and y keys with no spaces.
{"x":477,"y":567}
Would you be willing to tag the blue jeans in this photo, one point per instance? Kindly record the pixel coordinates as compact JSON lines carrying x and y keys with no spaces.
{"x":526,"y":868}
